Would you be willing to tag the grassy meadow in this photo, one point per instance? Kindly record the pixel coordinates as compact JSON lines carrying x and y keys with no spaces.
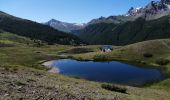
{"x":25,"y":56}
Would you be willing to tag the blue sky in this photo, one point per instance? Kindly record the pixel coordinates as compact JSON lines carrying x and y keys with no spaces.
{"x":74,"y":11}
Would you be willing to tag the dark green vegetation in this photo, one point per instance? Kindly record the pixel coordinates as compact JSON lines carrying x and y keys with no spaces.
{"x":79,"y":50}
{"x":162,"y":61}
{"x":147,"y":55}
{"x":102,"y":58}
{"x":35,"y":30}
{"x":112,"y":87}
{"x":127,"y":32}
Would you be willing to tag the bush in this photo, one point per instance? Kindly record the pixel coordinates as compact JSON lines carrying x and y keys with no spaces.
{"x":79,"y":59}
{"x":147,"y":55}
{"x":6,"y":45}
{"x":1,"y":31}
{"x":114,"y":88}
{"x":79,"y":50}
{"x":101,"y":58}
{"x":162,"y":61}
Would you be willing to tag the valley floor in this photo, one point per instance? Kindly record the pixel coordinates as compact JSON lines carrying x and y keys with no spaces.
{"x":22,"y":76}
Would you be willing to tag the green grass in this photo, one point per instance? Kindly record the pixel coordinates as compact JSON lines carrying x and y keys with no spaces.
{"x":134,"y":54}
{"x":29,"y":56}
{"x":79,"y":50}
{"x":24,"y":56}
{"x":8,"y":39}
{"x":20,"y":51}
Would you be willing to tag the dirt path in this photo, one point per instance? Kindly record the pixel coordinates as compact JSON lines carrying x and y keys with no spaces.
{"x":165,"y":44}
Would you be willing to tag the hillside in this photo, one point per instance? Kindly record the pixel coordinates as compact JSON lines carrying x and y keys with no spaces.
{"x":155,"y":53}
{"x":35,"y":30}
{"x":11,"y":40}
{"x":137,"y":53}
{"x":126,"y":33}
{"x":138,"y":24}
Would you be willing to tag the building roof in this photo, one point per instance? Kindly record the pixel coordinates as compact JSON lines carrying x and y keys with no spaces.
{"x":106,"y":47}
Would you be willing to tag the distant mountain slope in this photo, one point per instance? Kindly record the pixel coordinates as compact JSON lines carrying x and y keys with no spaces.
{"x":35,"y":30}
{"x":138,"y":24}
{"x":63,"y":26}
{"x":126,"y":33}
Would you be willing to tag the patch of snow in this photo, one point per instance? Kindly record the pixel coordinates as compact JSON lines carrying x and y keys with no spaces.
{"x":79,"y":24}
{"x":168,"y":6}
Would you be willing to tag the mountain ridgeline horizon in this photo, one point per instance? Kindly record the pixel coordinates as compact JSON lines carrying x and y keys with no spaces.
{"x":138,"y":24}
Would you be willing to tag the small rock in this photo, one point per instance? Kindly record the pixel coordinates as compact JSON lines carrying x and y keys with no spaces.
{"x":116,"y":98}
{"x":19,"y":87}
{"x":6,"y":94}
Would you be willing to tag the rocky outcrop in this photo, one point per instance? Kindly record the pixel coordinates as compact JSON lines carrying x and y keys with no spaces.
{"x":154,"y":10}
{"x":64,"y":26}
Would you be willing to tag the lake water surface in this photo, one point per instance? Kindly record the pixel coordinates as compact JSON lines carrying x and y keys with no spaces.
{"x":112,"y":72}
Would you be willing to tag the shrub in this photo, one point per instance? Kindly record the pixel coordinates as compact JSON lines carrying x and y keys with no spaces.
{"x":101,"y":58}
{"x":71,"y":57}
{"x":79,"y":58}
{"x":114,"y":88}
{"x":18,"y":83}
{"x":147,"y":55}
{"x":162,"y":61}
{"x":79,"y":50}
{"x":76,"y":77}
{"x":6,"y":45}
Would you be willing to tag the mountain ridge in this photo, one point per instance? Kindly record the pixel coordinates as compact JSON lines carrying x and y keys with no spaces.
{"x":126,"y":33}
{"x":153,"y":10}
{"x":64,"y":26}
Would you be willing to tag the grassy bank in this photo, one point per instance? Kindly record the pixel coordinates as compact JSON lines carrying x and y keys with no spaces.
{"x":28,"y":83}
{"x":150,"y":53}
{"x":21,"y":51}
{"x":154,"y":53}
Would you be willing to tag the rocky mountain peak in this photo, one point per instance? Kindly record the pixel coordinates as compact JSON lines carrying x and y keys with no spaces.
{"x":165,"y":1}
{"x":154,"y":8}
{"x":64,"y":26}
{"x":133,"y":11}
